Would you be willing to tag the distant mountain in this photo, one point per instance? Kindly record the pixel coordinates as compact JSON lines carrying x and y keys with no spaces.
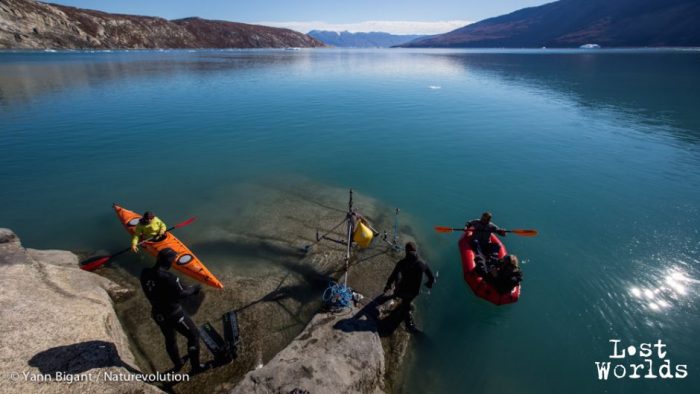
{"x":32,"y":24}
{"x":361,"y":40}
{"x":571,"y":23}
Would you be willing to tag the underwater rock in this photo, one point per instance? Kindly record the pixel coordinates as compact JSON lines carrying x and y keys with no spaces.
{"x":254,"y":238}
{"x":58,"y":323}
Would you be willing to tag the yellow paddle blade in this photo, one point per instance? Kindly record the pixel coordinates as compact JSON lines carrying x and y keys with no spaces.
{"x":525,"y":233}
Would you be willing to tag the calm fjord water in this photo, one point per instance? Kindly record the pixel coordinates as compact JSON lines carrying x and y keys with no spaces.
{"x":598,"y":150}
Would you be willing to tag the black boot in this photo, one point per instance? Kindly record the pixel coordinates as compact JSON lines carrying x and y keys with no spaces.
{"x":199,"y":368}
{"x":193,"y":352}
{"x":171,"y":348}
{"x":178,"y":366}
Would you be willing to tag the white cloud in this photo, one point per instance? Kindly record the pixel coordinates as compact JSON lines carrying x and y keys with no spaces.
{"x":393,"y":27}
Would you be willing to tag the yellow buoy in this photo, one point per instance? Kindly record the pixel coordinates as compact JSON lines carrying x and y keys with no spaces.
{"x":363,"y":234}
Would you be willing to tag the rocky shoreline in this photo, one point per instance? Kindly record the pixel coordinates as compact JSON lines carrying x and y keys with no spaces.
{"x":58,"y":320}
{"x":29,"y":24}
{"x":275,"y":286}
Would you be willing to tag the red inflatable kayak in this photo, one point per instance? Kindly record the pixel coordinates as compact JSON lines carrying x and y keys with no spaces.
{"x":186,"y":262}
{"x":477,"y":283}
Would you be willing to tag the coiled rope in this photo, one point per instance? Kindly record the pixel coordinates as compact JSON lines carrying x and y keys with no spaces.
{"x":337,"y":296}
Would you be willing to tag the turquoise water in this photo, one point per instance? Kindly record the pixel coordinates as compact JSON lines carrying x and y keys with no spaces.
{"x":598,"y":150}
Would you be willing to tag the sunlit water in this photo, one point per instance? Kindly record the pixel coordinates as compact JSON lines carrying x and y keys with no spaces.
{"x":598,"y":150}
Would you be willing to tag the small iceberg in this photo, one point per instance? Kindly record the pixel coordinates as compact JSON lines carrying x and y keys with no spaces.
{"x":590,"y":46}
{"x":435,"y":87}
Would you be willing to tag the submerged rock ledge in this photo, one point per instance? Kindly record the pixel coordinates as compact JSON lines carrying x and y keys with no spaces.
{"x":255,"y":241}
{"x":58,"y":318}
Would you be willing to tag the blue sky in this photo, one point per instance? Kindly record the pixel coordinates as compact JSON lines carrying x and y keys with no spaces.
{"x":402,"y":16}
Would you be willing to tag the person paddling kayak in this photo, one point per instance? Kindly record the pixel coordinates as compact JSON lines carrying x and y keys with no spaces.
{"x":149,"y":227}
{"x":407,"y":277}
{"x":164,"y":291}
{"x":482,"y":228}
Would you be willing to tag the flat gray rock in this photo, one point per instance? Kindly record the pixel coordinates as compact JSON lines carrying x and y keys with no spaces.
{"x":331,"y":355}
{"x":58,"y":321}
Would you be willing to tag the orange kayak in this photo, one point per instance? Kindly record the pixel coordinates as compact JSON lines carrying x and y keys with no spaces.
{"x":186,"y":261}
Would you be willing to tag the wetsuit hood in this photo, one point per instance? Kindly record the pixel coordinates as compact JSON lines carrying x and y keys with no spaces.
{"x":165,"y":258}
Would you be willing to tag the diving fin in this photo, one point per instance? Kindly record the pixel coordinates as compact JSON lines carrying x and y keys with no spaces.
{"x":214,"y":343}
{"x":231,"y":334}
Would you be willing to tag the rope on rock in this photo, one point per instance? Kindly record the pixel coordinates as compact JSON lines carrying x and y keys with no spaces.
{"x":338,"y":296}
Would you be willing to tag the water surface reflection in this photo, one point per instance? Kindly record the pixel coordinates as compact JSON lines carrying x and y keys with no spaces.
{"x":671,"y":288}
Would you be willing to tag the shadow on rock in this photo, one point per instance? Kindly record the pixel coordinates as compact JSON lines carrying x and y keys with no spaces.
{"x":368,"y":319}
{"x":303,"y":293}
{"x":315,"y":279}
{"x":390,"y":323}
{"x":256,"y":247}
{"x":355,"y":325}
{"x":376,"y":317}
{"x":78,"y":358}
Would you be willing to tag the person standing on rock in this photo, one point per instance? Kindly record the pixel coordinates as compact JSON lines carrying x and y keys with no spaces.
{"x":164,"y":291}
{"x":406,"y":279}
{"x":149,"y":227}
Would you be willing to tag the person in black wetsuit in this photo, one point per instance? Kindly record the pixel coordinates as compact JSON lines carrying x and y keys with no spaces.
{"x":406,"y":278}
{"x":481,"y":240}
{"x":504,"y":274}
{"x":164,"y":291}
